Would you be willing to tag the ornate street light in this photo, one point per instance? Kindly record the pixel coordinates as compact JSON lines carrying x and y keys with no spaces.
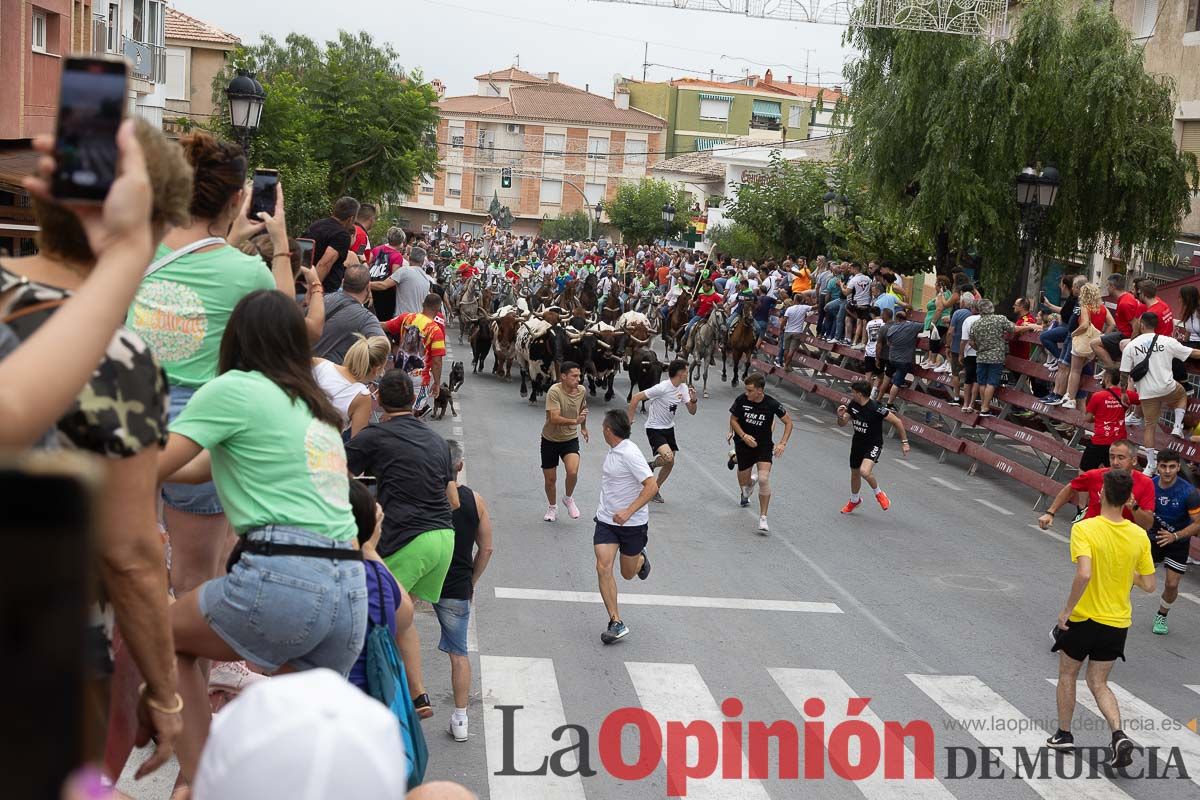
{"x":1036,"y":193}
{"x":835,"y":204}
{"x":246,"y":97}
{"x":668,"y":217}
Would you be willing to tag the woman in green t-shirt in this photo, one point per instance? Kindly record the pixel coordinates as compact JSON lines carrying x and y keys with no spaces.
{"x":267,"y":436}
{"x":937,"y":317}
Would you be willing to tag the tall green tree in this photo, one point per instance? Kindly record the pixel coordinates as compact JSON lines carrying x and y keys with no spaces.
{"x":340,"y":118}
{"x":942,"y":125}
{"x":572,"y":227}
{"x":784,"y":207}
{"x":636,"y":211}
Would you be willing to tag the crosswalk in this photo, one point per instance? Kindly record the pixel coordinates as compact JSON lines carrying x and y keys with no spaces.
{"x":958,"y":709}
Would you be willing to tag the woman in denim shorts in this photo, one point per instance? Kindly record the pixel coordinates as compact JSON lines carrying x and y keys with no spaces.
{"x":268,"y":437}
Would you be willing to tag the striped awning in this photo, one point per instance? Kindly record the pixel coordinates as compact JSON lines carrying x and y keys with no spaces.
{"x":706,"y":144}
{"x":725,"y":98}
{"x":766,"y":108}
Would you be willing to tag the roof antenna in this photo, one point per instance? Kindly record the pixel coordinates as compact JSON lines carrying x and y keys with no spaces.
{"x":517,"y":61}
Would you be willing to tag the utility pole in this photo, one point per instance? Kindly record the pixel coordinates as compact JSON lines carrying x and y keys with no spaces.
{"x":645,"y":60}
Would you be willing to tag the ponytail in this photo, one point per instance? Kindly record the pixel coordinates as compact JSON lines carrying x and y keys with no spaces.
{"x":366,"y":355}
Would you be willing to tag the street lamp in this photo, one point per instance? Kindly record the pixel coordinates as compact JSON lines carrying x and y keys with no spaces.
{"x":246,"y":97}
{"x":835,"y":204}
{"x":668,"y":216}
{"x":1036,"y":193}
{"x":595,"y":216}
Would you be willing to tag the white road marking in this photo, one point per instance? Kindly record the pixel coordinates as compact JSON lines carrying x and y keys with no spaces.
{"x":817,"y":420}
{"x":847,"y":434}
{"x":905,"y":463}
{"x":801,"y":684}
{"x":1190,"y":596}
{"x":1050,"y":533}
{"x":994,"y":722}
{"x":527,"y":682}
{"x":682,"y":601}
{"x":1194,"y":687}
{"x":994,"y":507}
{"x":947,"y":484}
{"x":1156,"y":729}
{"x":676,"y":692}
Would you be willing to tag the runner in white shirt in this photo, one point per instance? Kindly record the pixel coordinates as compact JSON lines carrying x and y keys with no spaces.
{"x":622,"y":520}
{"x":795,"y":323}
{"x":662,"y":402}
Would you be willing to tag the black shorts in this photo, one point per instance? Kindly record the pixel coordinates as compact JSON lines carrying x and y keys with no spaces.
{"x":1112,"y":344}
{"x":1174,"y":555}
{"x":1090,"y":639}
{"x":860,"y":451}
{"x":630,"y":539}
{"x":969,"y":369}
{"x":1094,"y":457}
{"x":873,"y":366}
{"x":553,"y":452}
{"x":660,"y":436}
{"x":935,"y":345}
{"x":900,"y":371}
{"x":748,"y":456}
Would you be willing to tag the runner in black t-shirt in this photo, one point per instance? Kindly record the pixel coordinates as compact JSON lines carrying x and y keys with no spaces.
{"x":751,"y":418}
{"x":867,"y":417}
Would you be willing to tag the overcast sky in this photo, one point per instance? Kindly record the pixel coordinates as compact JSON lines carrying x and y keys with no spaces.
{"x":587,"y":42}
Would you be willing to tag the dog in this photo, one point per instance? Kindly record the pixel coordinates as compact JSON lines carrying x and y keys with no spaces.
{"x":445,"y":398}
{"x":458,"y":376}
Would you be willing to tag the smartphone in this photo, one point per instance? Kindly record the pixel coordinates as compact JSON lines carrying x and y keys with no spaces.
{"x":91,"y":105}
{"x":48,"y":519}
{"x":306,"y":251}
{"x":263,"y":193}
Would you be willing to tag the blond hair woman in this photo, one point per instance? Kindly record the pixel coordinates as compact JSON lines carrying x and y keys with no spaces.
{"x":1092,"y":322}
{"x":345,"y":383}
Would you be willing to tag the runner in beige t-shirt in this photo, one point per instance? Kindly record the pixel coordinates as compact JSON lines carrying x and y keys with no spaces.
{"x":566,"y":419}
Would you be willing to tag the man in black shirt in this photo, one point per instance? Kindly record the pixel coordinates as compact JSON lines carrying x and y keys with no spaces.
{"x":333,"y":238}
{"x":418,"y":493}
{"x":752,"y":416}
{"x":867,"y":417}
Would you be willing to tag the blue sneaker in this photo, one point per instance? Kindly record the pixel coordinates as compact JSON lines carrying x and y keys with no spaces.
{"x":617,"y":630}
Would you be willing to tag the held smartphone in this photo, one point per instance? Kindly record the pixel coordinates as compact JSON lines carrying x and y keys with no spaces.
{"x":306,"y":251}
{"x":91,"y":106}
{"x":263,"y":193}
{"x":48,"y":520}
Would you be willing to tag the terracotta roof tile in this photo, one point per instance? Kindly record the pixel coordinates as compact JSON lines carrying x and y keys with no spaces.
{"x":552,"y":102}
{"x":511,"y":74}
{"x":182,"y":26}
{"x":700,"y":163}
{"x":700,"y":83}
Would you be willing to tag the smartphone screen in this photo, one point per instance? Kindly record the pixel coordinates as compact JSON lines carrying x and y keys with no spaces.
{"x":306,"y":251}
{"x":91,"y":105}
{"x":263,"y":197}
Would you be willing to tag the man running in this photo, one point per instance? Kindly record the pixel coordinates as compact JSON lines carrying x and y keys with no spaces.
{"x":751,"y":422}
{"x":622,"y":520}
{"x":1111,"y":556}
{"x":1176,"y":520}
{"x":868,"y":417}
{"x":664,"y":400}
{"x":1120,"y":456}
{"x":566,"y":421}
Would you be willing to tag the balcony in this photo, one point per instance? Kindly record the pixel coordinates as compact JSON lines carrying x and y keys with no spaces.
{"x":147,"y":61}
{"x":482,"y":203}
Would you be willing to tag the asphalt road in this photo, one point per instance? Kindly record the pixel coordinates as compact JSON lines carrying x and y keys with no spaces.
{"x":937,"y":610}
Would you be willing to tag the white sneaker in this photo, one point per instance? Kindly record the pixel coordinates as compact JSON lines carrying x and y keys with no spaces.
{"x":458,"y":728}
{"x":1067,"y":403}
{"x":232,"y":676}
{"x":942,"y":368}
{"x":572,"y":509}
{"x":1177,"y":431}
{"x":1132,"y":419}
{"x":762,"y":525}
{"x":1051,"y":364}
{"x":551,"y":514}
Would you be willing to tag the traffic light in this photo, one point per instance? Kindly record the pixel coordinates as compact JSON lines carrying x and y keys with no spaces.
{"x":506,"y":178}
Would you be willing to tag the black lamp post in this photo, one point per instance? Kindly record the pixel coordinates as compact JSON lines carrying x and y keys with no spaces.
{"x":595,"y":217}
{"x":835,"y":204}
{"x":246,"y":97}
{"x":668,"y":217}
{"x":1036,"y":193}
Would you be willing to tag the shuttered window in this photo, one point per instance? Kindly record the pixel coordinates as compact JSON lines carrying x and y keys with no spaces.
{"x":1190,"y":143}
{"x":1145,"y":15}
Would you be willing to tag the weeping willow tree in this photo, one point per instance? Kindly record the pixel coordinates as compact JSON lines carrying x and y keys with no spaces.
{"x":943,"y":124}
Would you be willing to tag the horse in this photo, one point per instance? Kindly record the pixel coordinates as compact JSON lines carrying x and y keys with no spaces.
{"x":707,"y":339}
{"x":676,"y":320}
{"x":468,"y":307}
{"x":612,"y":308}
{"x":587,"y":295}
{"x":741,"y":341}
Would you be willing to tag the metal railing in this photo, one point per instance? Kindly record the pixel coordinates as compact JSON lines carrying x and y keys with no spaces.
{"x":484,"y":202}
{"x":147,"y":61}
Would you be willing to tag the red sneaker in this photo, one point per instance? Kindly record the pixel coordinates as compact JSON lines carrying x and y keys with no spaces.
{"x":884,"y":503}
{"x":850,"y":506}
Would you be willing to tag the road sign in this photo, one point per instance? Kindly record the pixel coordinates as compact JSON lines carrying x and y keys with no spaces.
{"x":466,"y":236}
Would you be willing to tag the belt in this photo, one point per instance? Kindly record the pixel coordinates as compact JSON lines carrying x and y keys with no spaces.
{"x":260,"y":548}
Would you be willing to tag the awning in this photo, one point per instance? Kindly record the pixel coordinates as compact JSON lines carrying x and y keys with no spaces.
{"x":766,"y":108}
{"x":706,"y":144}
{"x":725,"y":98}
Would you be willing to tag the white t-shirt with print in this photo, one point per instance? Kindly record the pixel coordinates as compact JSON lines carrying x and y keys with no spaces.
{"x":860,"y":285}
{"x":873,"y":335}
{"x":1159,"y":380}
{"x":621,"y":478}
{"x":662,"y":402}
{"x":968,"y":323}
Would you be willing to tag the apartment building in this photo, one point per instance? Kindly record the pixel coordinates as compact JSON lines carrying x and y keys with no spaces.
{"x":559,"y":148}
{"x":196,"y":52}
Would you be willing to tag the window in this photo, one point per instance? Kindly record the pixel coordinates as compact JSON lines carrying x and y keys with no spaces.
{"x":457,"y":138}
{"x":1145,"y":17}
{"x":139,"y":20}
{"x":426,"y":184}
{"x":114,"y":28}
{"x":177,"y":81}
{"x":597,"y":148}
{"x":38,"y":34}
{"x":453,"y":184}
{"x":594,"y":192}
{"x":635,"y":151}
{"x":794,"y":115}
{"x":1190,"y":142}
{"x":154,"y":23}
{"x":1193,"y":21}
{"x":715,"y":107}
{"x":551,"y":193}
{"x":766,"y":115}
{"x":553,"y":145}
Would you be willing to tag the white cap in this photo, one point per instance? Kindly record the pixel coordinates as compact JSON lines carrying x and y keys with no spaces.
{"x":308,"y":736}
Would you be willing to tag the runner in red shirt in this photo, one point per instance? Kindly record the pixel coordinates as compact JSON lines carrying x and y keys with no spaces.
{"x":1106,"y":409}
{"x":1120,"y":456}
